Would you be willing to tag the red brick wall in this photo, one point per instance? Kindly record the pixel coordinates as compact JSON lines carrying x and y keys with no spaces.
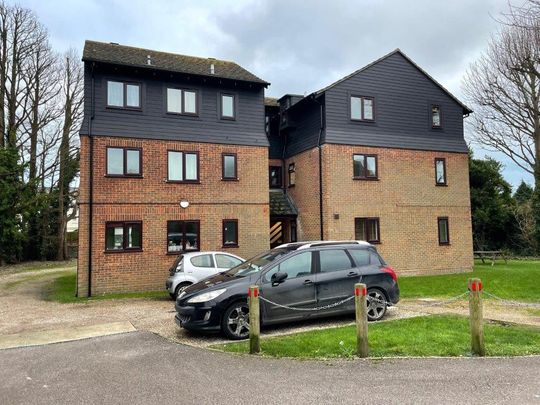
{"x":407,"y":201}
{"x":305,"y":193}
{"x":154,"y":201}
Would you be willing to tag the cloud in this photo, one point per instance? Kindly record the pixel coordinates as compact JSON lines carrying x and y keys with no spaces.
{"x":299,"y":46}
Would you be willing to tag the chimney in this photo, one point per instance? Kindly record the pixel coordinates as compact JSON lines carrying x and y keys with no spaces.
{"x":212,"y":69}
{"x":148,"y":60}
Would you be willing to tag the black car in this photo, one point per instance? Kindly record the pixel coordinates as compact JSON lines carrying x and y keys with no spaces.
{"x":300,"y":275}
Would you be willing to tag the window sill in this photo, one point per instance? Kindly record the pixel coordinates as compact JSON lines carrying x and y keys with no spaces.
{"x":441,"y":184}
{"x":374,"y":242}
{"x":362,"y":121}
{"x":181,"y":252}
{"x":183,"y":181}
{"x":229,"y":246}
{"x":437,"y":127}
{"x":230,"y":179}
{"x":227,"y":118}
{"x":444,"y":244}
{"x":117,"y":108}
{"x":366,"y":178}
{"x":123,"y":251}
{"x":124,"y":176}
{"x":181,"y":115}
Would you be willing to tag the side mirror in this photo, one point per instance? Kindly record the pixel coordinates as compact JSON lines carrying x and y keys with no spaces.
{"x":278,"y":278}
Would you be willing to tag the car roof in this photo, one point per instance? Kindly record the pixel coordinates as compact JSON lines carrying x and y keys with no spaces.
{"x":321,"y":243}
{"x":190,"y":254}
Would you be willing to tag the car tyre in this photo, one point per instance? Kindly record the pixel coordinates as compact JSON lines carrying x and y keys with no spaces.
{"x":179,"y":288}
{"x":376,"y":305}
{"x":235,"y":321}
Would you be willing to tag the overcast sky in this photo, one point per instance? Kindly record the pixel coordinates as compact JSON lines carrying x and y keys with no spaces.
{"x":298,"y":46}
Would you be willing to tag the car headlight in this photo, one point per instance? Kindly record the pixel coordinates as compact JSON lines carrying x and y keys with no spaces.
{"x":206,"y":296}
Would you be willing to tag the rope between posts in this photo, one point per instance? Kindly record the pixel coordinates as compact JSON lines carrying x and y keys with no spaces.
{"x":510,"y":302}
{"x":321,"y":308}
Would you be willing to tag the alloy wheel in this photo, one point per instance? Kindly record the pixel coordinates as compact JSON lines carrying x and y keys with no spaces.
{"x":238,"y":321}
{"x":376,"y":305}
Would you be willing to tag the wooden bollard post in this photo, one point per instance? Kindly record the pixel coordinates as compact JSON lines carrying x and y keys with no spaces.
{"x":254,"y":321}
{"x":360,"y":301}
{"x":476,"y":318}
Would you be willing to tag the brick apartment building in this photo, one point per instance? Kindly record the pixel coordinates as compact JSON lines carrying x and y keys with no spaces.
{"x":181,"y":153}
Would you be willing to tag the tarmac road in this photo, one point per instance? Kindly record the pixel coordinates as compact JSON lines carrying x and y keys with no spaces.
{"x":142,"y":368}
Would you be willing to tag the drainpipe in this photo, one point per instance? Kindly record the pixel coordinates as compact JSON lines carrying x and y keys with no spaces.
{"x":91,"y":181}
{"x":321,"y":129}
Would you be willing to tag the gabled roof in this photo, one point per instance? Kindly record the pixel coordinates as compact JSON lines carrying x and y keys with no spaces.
{"x":138,"y":57}
{"x":271,"y":102}
{"x":466,"y":110}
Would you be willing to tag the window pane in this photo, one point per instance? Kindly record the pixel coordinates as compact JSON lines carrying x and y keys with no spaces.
{"x":133,"y":236}
{"x":115,"y":94}
{"x":360,"y":229}
{"x":296,"y":266}
{"x":371,"y":163}
{"x":175,"y":166}
{"x":373,"y":230}
{"x":132,"y":95}
{"x":356,"y":109}
{"x":190,"y":102}
{"x":114,"y":238}
{"x":292,"y":174}
{"x":227,"y":106}
{"x":191,"y":166}
{"x":226,"y":261}
{"x":443,"y":230}
{"x":368,"y":109}
{"x":275,"y":176}
{"x":358,"y":166}
{"x":115,"y":161}
{"x":174,"y":100}
{"x":133,"y":162}
{"x":436,"y":116}
{"x":229,"y":163}
{"x":230,"y":233}
{"x":202,"y":261}
{"x":360,"y":257}
{"x":192,"y":236}
{"x":440,"y":172}
{"x":334,"y":260}
{"x":174,"y":236}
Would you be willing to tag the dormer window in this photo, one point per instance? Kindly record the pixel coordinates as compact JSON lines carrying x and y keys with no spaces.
{"x":228,"y":107}
{"x":436,"y":116}
{"x":123,"y":94}
{"x":181,"y":101}
{"x":362,"y":108}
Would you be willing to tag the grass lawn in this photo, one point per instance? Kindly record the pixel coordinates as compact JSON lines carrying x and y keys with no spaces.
{"x":62,"y":289}
{"x":517,"y":280}
{"x":436,"y":335}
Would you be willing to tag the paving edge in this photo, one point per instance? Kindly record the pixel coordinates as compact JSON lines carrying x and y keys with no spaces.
{"x":64,"y":335}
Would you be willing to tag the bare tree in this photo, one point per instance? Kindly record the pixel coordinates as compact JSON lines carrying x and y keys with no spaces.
{"x":503,"y":88}
{"x":72,"y":107}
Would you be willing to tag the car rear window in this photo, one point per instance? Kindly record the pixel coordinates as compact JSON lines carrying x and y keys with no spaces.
{"x":202,"y":261}
{"x":360,"y":256}
{"x":334,"y":260}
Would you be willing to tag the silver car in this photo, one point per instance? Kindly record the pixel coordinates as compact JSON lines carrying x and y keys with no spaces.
{"x":190,"y":268}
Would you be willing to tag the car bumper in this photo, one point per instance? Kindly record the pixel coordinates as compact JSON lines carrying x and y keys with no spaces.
{"x":203,"y":318}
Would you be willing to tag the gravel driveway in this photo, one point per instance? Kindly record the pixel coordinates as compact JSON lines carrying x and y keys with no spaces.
{"x":22,"y":309}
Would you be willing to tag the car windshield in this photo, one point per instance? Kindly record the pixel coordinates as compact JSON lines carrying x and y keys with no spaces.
{"x":254,"y":264}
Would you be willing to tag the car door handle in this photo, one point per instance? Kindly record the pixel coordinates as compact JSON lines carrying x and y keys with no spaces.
{"x":352,"y":274}
{"x":306,"y":282}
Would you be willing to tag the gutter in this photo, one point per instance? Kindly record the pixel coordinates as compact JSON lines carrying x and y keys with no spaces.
{"x":91,"y":182}
{"x":319,"y":146}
